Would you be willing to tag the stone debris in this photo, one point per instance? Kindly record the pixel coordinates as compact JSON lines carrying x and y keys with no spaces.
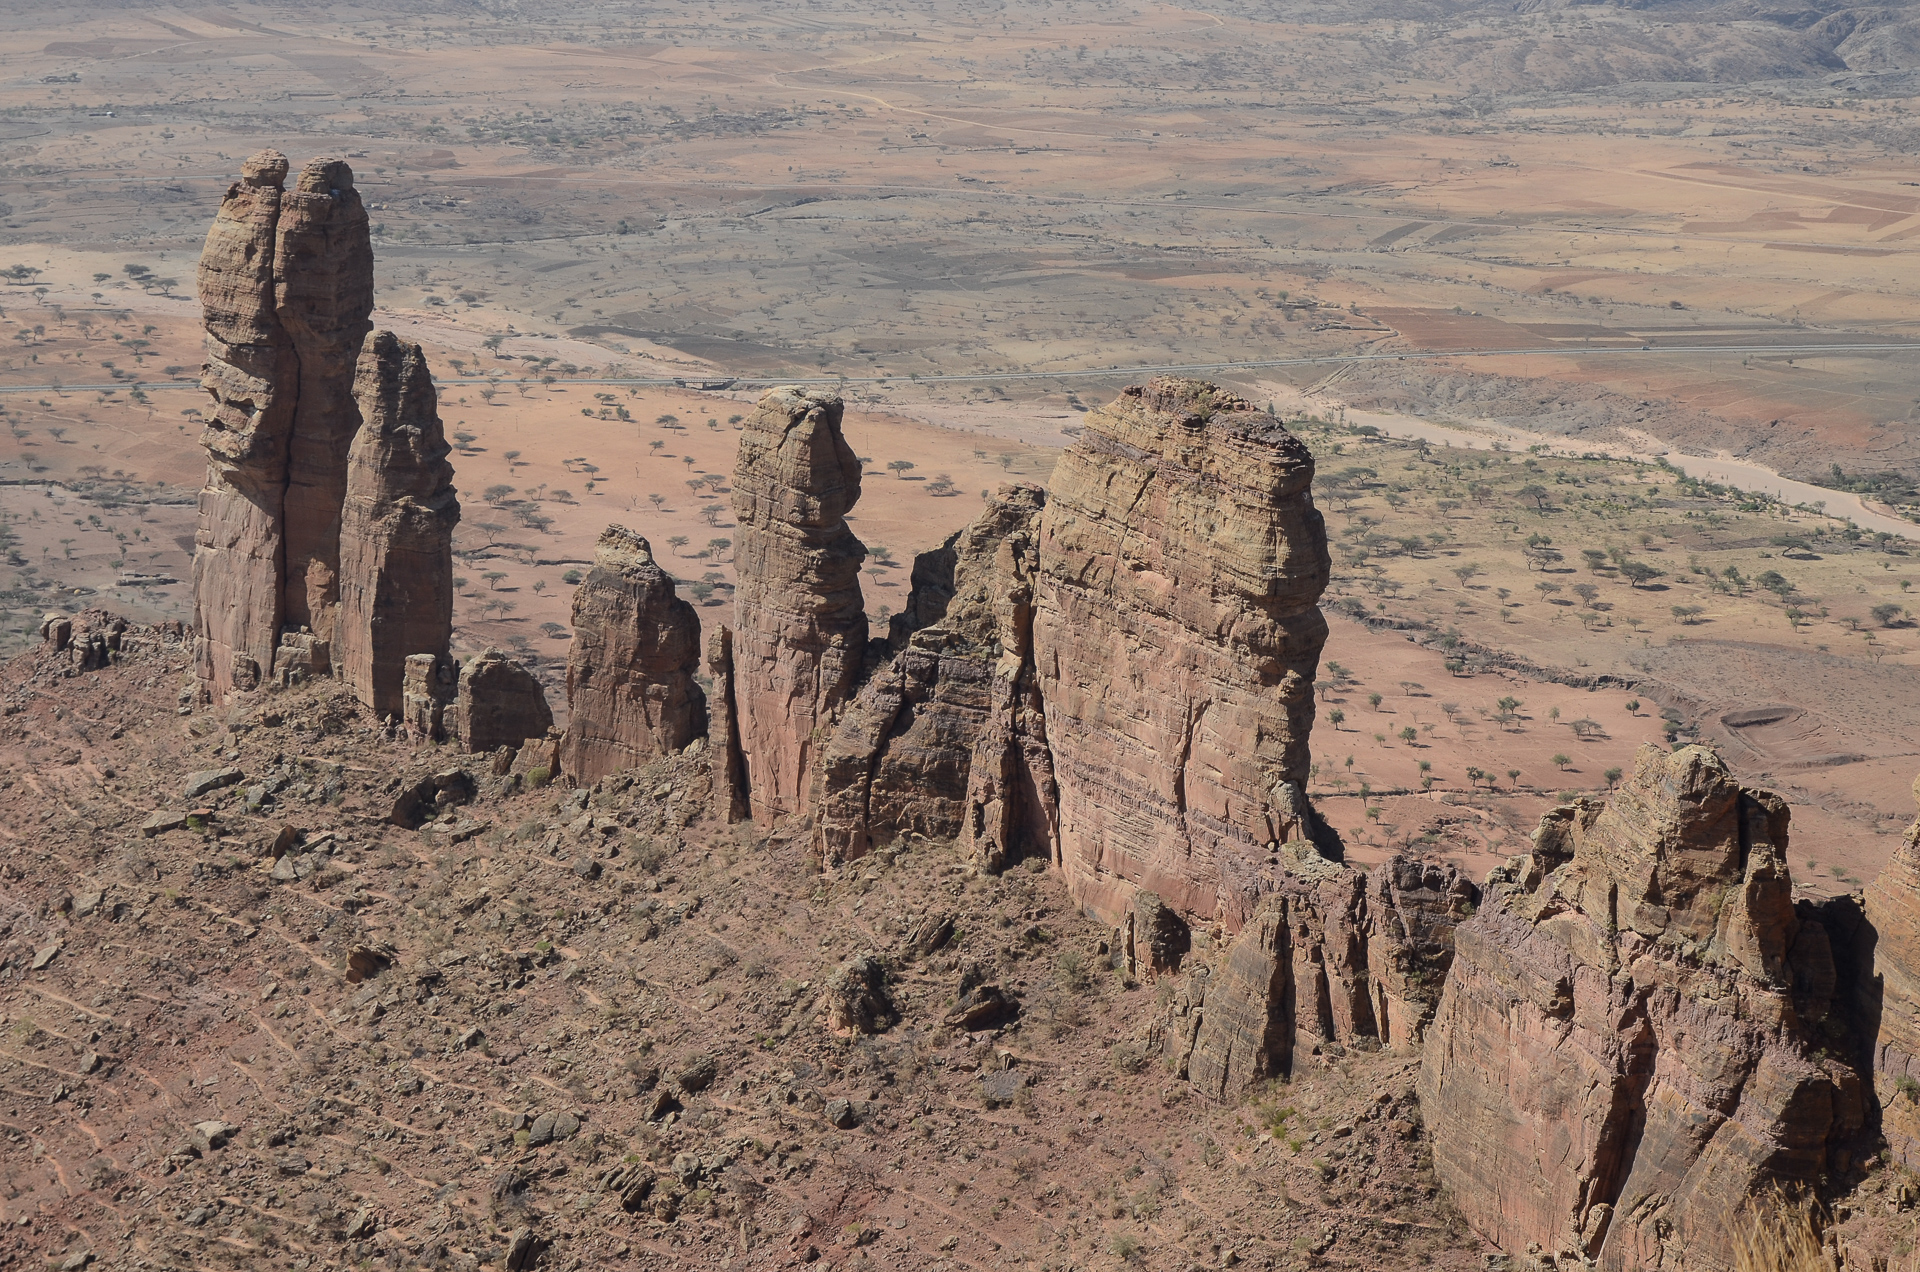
{"x":198,"y":784}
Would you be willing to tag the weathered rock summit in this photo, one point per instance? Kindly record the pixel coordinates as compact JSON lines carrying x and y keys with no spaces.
{"x":1176,"y":634}
{"x":396,"y":526}
{"x":1628,"y":1044}
{"x":631,"y":692}
{"x":799,"y":640}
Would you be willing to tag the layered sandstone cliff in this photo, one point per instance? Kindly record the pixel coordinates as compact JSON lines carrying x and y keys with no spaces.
{"x":1176,"y":634}
{"x":631,"y":692}
{"x":1332,"y":957}
{"x":1628,"y":1044}
{"x":799,"y":640}
{"x":396,"y":526}
{"x":924,"y":748}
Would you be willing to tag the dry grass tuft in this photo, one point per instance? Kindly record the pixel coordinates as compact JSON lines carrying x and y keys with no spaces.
{"x":1780,"y":1233}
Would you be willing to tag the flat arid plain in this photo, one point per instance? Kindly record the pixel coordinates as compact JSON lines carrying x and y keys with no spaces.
{"x":1507,"y":274}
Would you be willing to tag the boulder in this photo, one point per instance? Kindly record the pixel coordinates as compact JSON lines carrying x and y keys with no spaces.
{"x":498,"y":703}
{"x":1626,"y":1047}
{"x":631,"y":692}
{"x":799,"y":638}
{"x":1179,"y":534}
{"x":395,"y":584}
{"x":856,"y":999}
{"x":427,"y":688}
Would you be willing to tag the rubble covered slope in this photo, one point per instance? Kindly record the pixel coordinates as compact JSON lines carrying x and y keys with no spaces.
{"x":251,"y":1021}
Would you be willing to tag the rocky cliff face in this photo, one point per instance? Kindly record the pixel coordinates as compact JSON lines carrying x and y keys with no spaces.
{"x":396,"y":526}
{"x":800,"y":631}
{"x":1628,"y":1045}
{"x":253,"y":376}
{"x":286,"y":285}
{"x":1180,"y":538}
{"x":903,"y":756}
{"x":1890,"y":995}
{"x":1332,"y":957}
{"x":631,"y":692}
{"x":323,"y":295}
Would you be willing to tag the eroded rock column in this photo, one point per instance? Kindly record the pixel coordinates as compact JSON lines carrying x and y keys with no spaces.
{"x":253,"y":376}
{"x":631,"y":693}
{"x":396,"y":527}
{"x":323,"y":295}
{"x":1176,"y":636}
{"x":800,"y":627}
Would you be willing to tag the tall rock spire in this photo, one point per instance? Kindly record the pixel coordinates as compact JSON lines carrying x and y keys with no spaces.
{"x":800,"y":635}
{"x":253,"y":376}
{"x":1176,"y":634}
{"x":631,"y":695}
{"x":396,"y":526}
{"x":323,"y":294}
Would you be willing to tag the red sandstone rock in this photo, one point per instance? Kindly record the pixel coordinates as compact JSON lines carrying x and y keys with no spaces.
{"x":428,"y":688}
{"x":1176,"y":635}
{"x":1332,"y":957}
{"x":286,"y":286}
{"x":499,"y":703}
{"x":396,"y":527}
{"x":252,"y":374}
{"x":631,"y":695}
{"x":901,"y":759}
{"x":800,"y":632}
{"x":1892,"y":994}
{"x":1620,"y":1057}
{"x":323,"y":296}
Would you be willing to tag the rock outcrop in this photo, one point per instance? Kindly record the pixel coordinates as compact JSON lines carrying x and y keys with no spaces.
{"x":323,"y":296}
{"x":1890,"y":995}
{"x":396,"y":527}
{"x":799,"y":639}
{"x":253,"y":376}
{"x":286,"y":286}
{"x":902,"y":759}
{"x":498,"y":703}
{"x":1176,"y":635}
{"x":1628,"y":1044}
{"x":631,"y":692}
{"x":1332,"y":957}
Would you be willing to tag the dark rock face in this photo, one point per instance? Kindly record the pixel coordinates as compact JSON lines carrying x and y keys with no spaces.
{"x":1179,"y":532}
{"x":286,"y":286}
{"x":800,"y":630}
{"x":396,"y":528}
{"x":631,"y":692}
{"x":1626,"y":1048}
{"x":1890,"y":994}
{"x":901,"y":760}
{"x":499,"y":703}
